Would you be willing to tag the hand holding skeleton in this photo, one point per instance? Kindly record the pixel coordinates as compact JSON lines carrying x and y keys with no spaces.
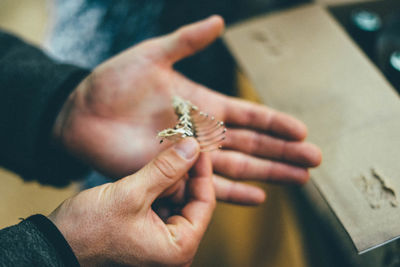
{"x":111,"y":119}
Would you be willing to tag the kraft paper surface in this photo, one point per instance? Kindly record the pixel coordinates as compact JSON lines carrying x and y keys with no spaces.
{"x":303,"y":63}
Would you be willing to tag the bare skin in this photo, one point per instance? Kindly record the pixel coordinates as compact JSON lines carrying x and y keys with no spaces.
{"x":115,"y":224}
{"x":110,"y":121}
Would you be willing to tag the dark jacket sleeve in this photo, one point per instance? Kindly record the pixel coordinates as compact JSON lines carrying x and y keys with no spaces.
{"x":33,"y":89}
{"x":35,"y":241}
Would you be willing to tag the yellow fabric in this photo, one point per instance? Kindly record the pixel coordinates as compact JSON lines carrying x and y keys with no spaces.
{"x":267,"y":235}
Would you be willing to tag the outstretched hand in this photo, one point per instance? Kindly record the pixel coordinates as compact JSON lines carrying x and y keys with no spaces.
{"x":111,"y":120}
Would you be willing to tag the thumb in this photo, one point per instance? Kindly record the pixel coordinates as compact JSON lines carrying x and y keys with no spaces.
{"x":190,"y":39}
{"x":166,"y":169}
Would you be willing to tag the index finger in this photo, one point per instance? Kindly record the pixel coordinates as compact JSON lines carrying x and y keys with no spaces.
{"x":196,"y":215}
{"x":255,"y":116}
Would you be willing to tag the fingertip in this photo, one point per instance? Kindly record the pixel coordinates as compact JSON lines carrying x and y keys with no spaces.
{"x":316,"y":155}
{"x":288,"y":126}
{"x":304,"y":176}
{"x":301,"y":130}
{"x":190,"y":39}
{"x":311,"y":155}
{"x":296,"y":175}
{"x":253,"y":197}
{"x":264,"y":197}
{"x":218,"y":21}
{"x":259,"y":196}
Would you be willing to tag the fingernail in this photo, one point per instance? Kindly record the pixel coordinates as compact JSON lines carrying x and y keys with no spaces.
{"x":187,"y":148}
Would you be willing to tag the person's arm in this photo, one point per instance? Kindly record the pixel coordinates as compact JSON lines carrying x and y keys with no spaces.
{"x":32,"y":90}
{"x":111,"y":120}
{"x":35,"y":241}
{"x":144,"y":219}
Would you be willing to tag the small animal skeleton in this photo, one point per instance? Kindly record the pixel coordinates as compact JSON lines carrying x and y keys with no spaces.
{"x":194,"y":123}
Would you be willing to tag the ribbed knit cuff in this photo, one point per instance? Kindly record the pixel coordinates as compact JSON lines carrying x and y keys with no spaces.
{"x":55,"y":237}
{"x":54,"y":165}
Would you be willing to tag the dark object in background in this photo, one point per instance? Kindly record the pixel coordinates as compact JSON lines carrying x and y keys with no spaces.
{"x":375,"y":27}
{"x":388,"y":49}
{"x":364,"y":28}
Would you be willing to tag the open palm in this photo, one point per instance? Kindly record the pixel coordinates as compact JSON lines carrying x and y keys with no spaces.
{"x":111,"y":120}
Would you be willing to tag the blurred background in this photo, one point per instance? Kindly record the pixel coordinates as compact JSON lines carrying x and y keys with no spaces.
{"x":286,"y":230}
{"x":19,"y":199}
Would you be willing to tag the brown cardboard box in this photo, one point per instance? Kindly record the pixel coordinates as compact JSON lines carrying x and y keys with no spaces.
{"x":302,"y":62}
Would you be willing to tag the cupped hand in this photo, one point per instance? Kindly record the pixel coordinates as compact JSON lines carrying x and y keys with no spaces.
{"x":111,"y":120}
{"x":114,"y":224}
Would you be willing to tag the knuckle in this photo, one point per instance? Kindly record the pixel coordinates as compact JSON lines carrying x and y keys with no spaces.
{"x":165,"y":167}
{"x":270,"y":118}
{"x":251,"y":115}
{"x":240,"y":168}
{"x":231,"y":191}
{"x":188,"y":44}
{"x":283,"y":151}
{"x":255,"y":143}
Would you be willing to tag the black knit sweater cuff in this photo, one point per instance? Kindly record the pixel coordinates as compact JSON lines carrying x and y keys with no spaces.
{"x":54,"y":165}
{"x":55,"y":238}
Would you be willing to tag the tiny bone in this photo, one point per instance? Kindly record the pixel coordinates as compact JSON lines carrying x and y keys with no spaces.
{"x":206,"y":129}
